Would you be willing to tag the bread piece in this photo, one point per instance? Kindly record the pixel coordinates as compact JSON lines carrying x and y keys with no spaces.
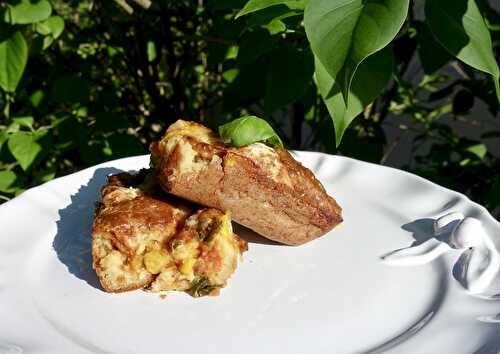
{"x":264,"y":188}
{"x":145,"y":240}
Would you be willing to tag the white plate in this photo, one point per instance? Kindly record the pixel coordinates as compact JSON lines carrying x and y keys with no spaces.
{"x":332,"y":295}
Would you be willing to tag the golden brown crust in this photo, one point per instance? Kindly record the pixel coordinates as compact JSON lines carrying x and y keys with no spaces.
{"x":264,"y":188}
{"x":133,"y":236}
{"x":125,"y":217}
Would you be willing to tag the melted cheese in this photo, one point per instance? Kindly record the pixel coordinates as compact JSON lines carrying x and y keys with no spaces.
{"x":185,"y":255}
{"x":181,"y":129}
{"x":189,"y":162}
{"x":268,"y":160}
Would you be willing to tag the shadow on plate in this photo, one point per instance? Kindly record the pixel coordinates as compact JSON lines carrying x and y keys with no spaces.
{"x":491,"y":343}
{"x":422,"y":230}
{"x":252,"y":237}
{"x":73,"y":240}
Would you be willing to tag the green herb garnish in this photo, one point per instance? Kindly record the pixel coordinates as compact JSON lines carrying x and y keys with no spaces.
{"x":248,"y":130}
{"x":201,"y":286}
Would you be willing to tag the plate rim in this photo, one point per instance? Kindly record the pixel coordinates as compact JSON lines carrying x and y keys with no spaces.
{"x":429,"y":183}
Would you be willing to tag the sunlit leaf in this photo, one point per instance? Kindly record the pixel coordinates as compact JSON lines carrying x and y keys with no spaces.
{"x":479,"y":150}
{"x":343,"y":33}
{"x":25,"y":148}
{"x":55,"y":25}
{"x":7,"y":179}
{"x":371,"y":77}
{"x":36,"y":97}
{"x":23,"y":12}
{"x":459,"y":26}
{"x":13,"y":58}
{"x":26,"y":121}
{"x":151,"y":51}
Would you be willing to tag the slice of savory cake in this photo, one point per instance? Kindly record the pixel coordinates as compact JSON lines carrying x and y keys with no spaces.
{"x":144,"y":239}
{"x":263,"y":187}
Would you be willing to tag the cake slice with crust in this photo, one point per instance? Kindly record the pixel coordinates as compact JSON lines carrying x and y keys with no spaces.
{"x":263,"y":187}
{"x":143,"y":239}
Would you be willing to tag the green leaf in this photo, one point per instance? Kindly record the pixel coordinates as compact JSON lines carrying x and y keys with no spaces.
{"x":201,"y":286}
{"x":289,"y":73}
{"x":275,"y":27}
{"x":248,"y":130}
{"x":25,"y":148}
{"x":371,"y":77}
{"x":55,"y":25}
{"x":42,"y":28}
{"x":26,"y":121}
{"x":36,"y":98}
{"x":51,"y":29}
{"x":151,"y":51}
{"x":230,"y":75}
{"x":256,"y":5}
{"x":23,"y":12}
{"x":13,"y":58}
{"x":478,"y":150}
{"x":343,"y":33}
{"x":7,"y":179}
{"x":47,"y":41}
{"x":460,"y":28}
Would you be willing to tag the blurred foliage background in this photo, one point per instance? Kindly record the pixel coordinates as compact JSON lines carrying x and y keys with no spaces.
{"x":101,"y":83}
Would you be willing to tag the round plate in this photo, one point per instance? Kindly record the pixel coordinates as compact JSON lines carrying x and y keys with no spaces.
{"x":332,"y":295}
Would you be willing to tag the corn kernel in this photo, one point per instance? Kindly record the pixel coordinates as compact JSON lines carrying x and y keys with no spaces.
{"x":156,"y":260}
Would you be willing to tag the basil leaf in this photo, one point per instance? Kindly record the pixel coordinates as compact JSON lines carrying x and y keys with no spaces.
{"x":248,"y":130}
